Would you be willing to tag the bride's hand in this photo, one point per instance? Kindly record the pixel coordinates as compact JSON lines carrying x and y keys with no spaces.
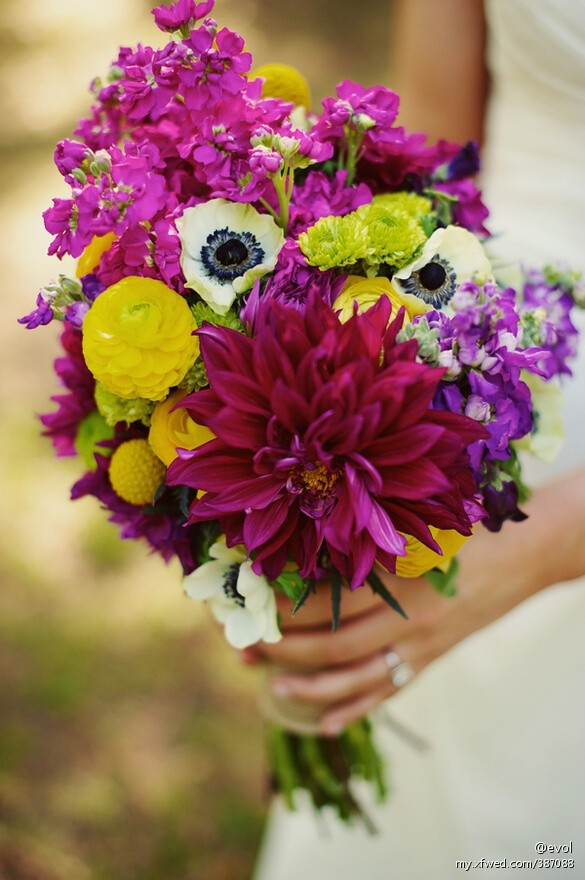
{"x":497,"y":571}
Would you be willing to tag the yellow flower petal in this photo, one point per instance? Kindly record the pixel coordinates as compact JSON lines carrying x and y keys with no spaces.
{"x":420,"y":559}
{"x":172,"y":429}
{"x":138,"y":338}
{"x":367,"y":291}
{"x":91,"y":256}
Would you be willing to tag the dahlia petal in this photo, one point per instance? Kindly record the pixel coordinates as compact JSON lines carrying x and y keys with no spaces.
{"x":383,"y":531}
{"x":359,"y":501}
{"x":387,"y":561}
{"x":407,"y":444}
{"x":245,"y":495}
{"x":240,"y":392}
{"x":373,"y":479}
{"x":201,"y":405}
{"x":244,"y":431}
{"x":357,"y":564}
{"x":261,"y":525}
{"x":416,"y":480}
{"x":289,"y":407}
{"x":340,"y":524}
{"x":208,"y":467}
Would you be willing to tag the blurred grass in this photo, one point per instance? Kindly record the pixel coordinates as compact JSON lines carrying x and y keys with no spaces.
{"x":130,"y":744}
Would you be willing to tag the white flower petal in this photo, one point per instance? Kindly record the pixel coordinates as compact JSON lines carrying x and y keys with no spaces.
{"x":222,"y":607}
{"x":226,"y":554}
{"x":271,"y":632}
{"x":198,"y":223}
{"x":243,"y":629}
{"x":252,"y":586}
{"x":205,"y":581}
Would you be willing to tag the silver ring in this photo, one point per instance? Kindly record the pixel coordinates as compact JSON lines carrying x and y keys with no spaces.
{"x":401,"y":672}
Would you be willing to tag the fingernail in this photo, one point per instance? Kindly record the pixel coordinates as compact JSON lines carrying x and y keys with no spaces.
{"x":331,"y":728}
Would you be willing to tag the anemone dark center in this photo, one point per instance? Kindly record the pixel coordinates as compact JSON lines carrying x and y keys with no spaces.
{"x":230,"y":585}
{"x":432,"y":276}
{"x":232,"y":252}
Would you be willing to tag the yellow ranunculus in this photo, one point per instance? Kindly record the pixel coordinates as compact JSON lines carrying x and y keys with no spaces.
{"x":138,"y":338}
{"x":91,"y":256}
{"x":419,"y":559}
{"x":172,"y":429}
{"x":367,"y":291}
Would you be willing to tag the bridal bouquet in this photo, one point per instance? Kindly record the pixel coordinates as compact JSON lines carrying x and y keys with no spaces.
{"x":287,"y":358}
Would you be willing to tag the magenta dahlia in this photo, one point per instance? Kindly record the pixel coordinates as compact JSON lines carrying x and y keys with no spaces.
{"x":326,"y":446}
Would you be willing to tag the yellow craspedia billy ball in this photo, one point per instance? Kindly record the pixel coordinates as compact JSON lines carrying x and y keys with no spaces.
{"x":136,"y":472}
{"x":137,"y":338}
{"x":172,"y":428}
{"x":285,"y":82}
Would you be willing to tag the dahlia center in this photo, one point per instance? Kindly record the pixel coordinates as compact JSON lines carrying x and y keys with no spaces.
{"x":314,"y":483}
{"x":317,"y":479}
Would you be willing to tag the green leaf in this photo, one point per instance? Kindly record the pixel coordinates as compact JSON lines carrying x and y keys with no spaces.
{"x":291,"y":584}
{"x":91,"y":431}
{"x":336,"y":587}
{"x":378,"y":587}
{"x":309,"y":588}
{"x":444,"y":582}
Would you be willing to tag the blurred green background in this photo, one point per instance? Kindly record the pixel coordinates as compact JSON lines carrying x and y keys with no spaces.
{"x":130,"y":745}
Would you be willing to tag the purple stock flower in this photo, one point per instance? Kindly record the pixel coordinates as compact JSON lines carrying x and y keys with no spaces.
{"x":465,"y":163}
{"x":552,"y":306}
{"x":324,"y":196}
{"x":501,"y":505}
{"x":217,"y":68}
{"x":183,"y":14}
{"x":42,"y":315}
{"x":372,"y":110}
{"x":69,"y":156}
{"x":468,"y":210}
{"x":293,"y":284}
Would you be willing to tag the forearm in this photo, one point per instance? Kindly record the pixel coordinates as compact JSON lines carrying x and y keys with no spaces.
{"x":437,"y":66}
{"x":557,"y":528}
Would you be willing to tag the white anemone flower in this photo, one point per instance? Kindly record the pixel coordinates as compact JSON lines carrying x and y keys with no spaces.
{"x":239,"y":599}
{"x":451,"y":256}
{"x":225,"y":247}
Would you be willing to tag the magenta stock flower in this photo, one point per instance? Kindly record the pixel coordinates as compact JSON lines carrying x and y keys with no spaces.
{"x":183,"y":14}
{"x":325,"y":442}
{"x":77,"y":401}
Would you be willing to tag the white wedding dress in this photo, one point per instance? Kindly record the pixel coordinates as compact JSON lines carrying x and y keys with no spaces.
{"x":503,"y":713}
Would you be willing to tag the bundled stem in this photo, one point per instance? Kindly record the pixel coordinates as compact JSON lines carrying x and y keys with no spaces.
{"x":325,"y":768}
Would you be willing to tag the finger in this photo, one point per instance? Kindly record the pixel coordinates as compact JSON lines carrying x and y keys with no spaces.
{"x":339,"y":717}
{"x":334,"y":685}
{"x":360,"y":637}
